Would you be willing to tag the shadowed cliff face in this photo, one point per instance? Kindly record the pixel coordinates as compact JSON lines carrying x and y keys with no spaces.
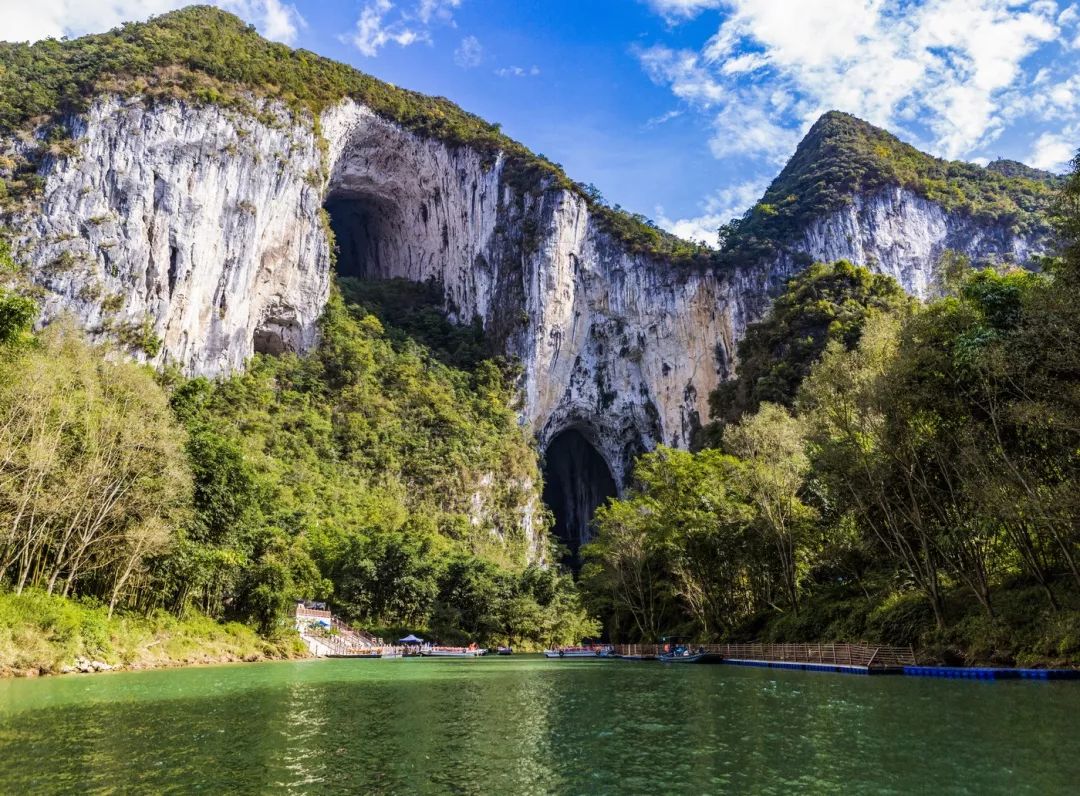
{"x":577,"y":481}
{"x":357,"y":234}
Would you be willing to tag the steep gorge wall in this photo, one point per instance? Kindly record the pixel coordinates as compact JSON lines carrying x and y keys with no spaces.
{"x":897,"y":232}
{"x":202,"y":226}
{"x":622,"y":348}
{"x":197,"y":225}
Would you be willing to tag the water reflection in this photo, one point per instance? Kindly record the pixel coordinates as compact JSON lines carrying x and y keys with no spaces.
{"x":531,"y":726}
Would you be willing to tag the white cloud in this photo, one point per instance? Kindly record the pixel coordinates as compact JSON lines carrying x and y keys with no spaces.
{"x":684,"y":72}
{"x":517,"y":71}
{"x":280,"y":21}
{"x":469,"y":53}
{"x":383,"y":22}
{"x":1053,"y":151}
{"x":663,"y":118}
{"x":738,"y":129}
{"x":56,"y":18}
{"x":682,"y":9}
{"x":372,"y":32}
{"x":946,"y":66}
{"x":442,"y":10}
{"x":717,"y":209}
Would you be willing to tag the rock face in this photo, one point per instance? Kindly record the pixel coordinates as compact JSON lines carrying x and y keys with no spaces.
{"x":194,"y":225}
{"x":901,"y":234}
{"x":203,"y":227}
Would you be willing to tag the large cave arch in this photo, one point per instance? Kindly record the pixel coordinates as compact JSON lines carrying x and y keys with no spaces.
{"x":363,"y":225}
{"x":577,"y":481}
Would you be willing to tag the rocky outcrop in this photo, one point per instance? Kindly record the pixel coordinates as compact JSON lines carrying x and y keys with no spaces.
{"x":203,"y":228}
{"x":189,"y":228}
{"x":899,"y":233}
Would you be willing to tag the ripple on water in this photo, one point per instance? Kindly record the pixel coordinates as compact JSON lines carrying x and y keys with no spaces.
{"x":531,"y":726}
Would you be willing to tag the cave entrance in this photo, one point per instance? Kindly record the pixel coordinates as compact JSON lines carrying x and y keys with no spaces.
{"x":577,"y":481}
{"x":361,"y":224}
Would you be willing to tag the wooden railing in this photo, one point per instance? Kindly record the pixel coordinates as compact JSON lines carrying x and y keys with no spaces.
{"x":346,"y":640}
{"x":863,"y":655}
{"x":638,"y":650}
{"x":312,"y":613}
{"x":831,"y":654}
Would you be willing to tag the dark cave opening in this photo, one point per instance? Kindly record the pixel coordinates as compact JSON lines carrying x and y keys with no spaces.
{"x":577,"y":481}
{"x":358,"y":223}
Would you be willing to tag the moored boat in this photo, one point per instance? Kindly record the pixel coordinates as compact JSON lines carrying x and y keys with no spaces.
{"x":452,"y":652}
{"x":571,"y":652}
{"x":504,"y":651}
{"x":683,"y":654}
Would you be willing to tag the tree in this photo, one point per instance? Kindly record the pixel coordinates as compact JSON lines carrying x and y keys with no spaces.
{"x":92,"y":470}
{"x":822,"y":304}
{"x":17,"y":314}
{"x":676,"y":549}
{"x":771,"y":444}
{"x":864,"y":469}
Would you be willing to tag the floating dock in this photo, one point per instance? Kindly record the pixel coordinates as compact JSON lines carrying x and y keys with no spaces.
{"x":835,"y":668}
{"x":835,"y":658}
{"x":862,"y":659}
{"x":983,"y":673}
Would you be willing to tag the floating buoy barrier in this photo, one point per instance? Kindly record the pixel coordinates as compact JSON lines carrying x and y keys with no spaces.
{"x":983,"y":673}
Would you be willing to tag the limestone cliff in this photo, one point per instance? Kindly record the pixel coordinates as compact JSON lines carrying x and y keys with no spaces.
{"x":192,"y":225}
{"x":203,"y":228}
{"x":853,"y":191}
{"x":897,"y":232}
{"x":189,"y":214}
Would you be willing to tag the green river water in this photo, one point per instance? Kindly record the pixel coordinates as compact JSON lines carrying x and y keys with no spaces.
{"x":527,"y":725}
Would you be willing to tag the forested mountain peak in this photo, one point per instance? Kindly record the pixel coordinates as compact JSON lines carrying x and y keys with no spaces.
{"x":843,"y":157}
{"x":206,"y":55}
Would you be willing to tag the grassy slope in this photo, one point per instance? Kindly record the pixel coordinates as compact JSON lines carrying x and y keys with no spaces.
{"x":43,"y":633}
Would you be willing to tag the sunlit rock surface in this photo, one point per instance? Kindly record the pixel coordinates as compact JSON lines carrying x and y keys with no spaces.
{"x":204,"y":227}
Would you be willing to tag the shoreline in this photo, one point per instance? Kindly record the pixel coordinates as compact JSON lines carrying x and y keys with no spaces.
{"x":31,"y":673}
{"x":973,"y":672}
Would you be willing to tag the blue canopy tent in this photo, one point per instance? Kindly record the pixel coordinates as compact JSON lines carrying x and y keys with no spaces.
{"x":410,"y":639}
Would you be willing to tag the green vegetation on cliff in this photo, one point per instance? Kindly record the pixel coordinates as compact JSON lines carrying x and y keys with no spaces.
{"x":843,"y":157}
{"x":823,"y":304}
{"x":369,"y":473}
{"x":920,"y":486}
{"x":203,"y":54}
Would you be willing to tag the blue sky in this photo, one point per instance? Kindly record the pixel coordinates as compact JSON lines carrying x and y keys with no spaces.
{"x":684,"y":109}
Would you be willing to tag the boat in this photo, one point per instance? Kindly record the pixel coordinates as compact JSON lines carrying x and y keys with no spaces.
{"x":504,"y":651}
{"x":571,"y":652}
{"x":683,"y":654}
{"x":452,"y":652}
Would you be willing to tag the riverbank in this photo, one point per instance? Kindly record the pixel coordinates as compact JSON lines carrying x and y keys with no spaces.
{"x":1024,"y":632}
{"x":46,"y":634}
